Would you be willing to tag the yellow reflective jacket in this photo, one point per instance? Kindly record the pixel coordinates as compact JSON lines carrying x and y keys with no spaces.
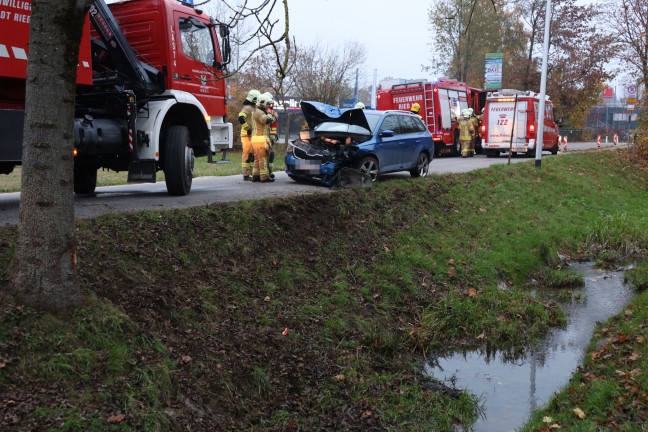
{"x":466,"y":130}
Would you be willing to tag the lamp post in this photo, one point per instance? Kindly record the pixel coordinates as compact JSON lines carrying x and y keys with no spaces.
{"x":543,"y":87}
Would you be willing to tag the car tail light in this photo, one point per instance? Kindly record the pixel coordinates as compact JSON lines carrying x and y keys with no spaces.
{"x":531,"y":129}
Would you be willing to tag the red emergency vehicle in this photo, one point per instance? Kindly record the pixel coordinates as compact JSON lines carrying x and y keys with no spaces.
{"x":441,"y":101}
{"x":510,"y":121}
{"x":150,"y":93}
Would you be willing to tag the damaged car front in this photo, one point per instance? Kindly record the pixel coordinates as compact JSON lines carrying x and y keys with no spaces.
{"x":335,"y":140}
{"x":351,"y":147}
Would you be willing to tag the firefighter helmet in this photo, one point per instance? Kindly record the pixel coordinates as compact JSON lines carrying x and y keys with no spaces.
{"x":416,"y":107}
{"x":263,"y":99}
{"x":270,"y":99}
{"x":253,"y":95}
{"x":465,"y":113}
{"x":360,"y":105}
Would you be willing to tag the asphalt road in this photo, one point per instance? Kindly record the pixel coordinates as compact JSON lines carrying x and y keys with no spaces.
{"x":209,"y":190}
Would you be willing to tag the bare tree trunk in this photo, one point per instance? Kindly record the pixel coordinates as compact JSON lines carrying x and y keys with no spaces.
{"x":43,"y":271}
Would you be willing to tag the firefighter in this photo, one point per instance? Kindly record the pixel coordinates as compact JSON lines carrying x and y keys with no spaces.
{"x":261,"y":139}
{"x":360,"y":105}
{"x":245,"y":118}
{"x":415,"y":109}
{"x":466,"y":134}
{"x":272,"y":134}
{"x":475,"y":121}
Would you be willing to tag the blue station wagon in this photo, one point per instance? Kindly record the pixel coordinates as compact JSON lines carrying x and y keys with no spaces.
{"x":374,"y":142}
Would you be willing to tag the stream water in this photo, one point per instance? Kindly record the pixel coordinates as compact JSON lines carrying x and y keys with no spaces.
{"x":510,"y":389}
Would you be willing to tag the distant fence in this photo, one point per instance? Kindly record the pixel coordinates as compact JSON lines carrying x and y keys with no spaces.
{"x":573,"y":135}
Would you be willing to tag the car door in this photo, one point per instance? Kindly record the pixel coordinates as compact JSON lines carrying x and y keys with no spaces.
{"x":412,"y":129}
{"x":388,"y":148}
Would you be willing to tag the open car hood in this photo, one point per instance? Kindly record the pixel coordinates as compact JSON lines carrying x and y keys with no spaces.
{"x":317,"y":113}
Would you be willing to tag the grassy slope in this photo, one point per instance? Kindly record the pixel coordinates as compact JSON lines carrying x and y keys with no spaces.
{"x":312,"y":313}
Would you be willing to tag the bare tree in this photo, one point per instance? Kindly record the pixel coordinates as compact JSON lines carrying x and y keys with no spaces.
{"x":629,"y":25}
{"x":327,"y":75}
{"x":464,"y":31}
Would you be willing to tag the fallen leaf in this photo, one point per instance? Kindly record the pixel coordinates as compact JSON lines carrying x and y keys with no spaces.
{"x":547,"y":419}
{"x":339,"y":377}
{"x":579,"y":413}
{"x":118,"y":418}
{"x":386,"y":249}
{"x":481,"y":336}
{"x":472,"y":292}
{"x":452,"y":272}
{"x":635,"y":355}
{"x":185,"y":359}
{"x":266,"y":299}
{"x":451,"y":261}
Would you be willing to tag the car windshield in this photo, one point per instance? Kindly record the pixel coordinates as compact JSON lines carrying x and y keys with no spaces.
{"x":373,"y":118}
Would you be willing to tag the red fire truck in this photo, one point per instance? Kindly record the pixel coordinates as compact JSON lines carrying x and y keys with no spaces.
{"x":150,"y":94}
{"x":441,"y":104}
{"x":510,"y":121}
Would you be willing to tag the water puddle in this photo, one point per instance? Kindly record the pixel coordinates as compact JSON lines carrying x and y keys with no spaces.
{"x":510,"y":389}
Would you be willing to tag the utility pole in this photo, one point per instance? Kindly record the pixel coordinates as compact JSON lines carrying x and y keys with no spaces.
{"x":543,"y":87}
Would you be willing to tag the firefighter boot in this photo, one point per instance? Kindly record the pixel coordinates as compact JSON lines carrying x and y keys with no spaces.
{"x":256,"y":178}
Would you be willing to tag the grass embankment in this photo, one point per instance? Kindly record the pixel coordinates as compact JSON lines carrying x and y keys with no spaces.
{"x":202,"y":168}
{"x":312,"y":313}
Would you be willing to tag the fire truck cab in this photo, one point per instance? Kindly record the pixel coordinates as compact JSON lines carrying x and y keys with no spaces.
{"x":510,"y":122}
{"x":441,"y":102}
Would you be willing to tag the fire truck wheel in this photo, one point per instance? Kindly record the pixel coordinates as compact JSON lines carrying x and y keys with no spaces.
{"x":554,"y":149}
{"x":422,"y":166}
{"x":85,"y":179}
{"x":369,"y":165}
{"x":178,"y":161}
{"x":456,"y":145}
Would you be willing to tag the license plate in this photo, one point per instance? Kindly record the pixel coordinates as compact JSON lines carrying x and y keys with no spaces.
{"x":311,"y":166}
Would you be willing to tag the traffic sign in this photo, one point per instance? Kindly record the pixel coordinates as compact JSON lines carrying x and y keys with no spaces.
{"x":631,"y":90}
{"x":631,"y":101}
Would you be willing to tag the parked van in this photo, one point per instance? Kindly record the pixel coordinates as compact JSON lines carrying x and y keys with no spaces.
{"x":510,"y":122}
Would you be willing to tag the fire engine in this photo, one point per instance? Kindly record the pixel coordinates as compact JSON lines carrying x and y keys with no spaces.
{"x":150,"y":94}
{"x":510,"y":122}
{"x":441,"y":102}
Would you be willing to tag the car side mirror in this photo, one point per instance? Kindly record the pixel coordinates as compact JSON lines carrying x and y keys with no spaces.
{"x":387,"y":133}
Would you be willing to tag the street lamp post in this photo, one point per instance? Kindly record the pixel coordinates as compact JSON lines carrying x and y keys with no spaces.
{"x":543,"y":87}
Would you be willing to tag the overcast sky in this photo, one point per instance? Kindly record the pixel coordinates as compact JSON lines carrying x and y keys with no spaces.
{"x":394,"y":33}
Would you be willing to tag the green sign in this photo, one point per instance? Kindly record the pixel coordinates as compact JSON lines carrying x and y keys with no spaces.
{"x":493,"y":71}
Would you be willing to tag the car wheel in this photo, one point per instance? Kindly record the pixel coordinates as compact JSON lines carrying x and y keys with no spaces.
{"x":554,"y":149}
{"x":178,"y":161}
{"x":369,"y":166}
{"x":85,"y":179}
{"x":422,"y":166}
